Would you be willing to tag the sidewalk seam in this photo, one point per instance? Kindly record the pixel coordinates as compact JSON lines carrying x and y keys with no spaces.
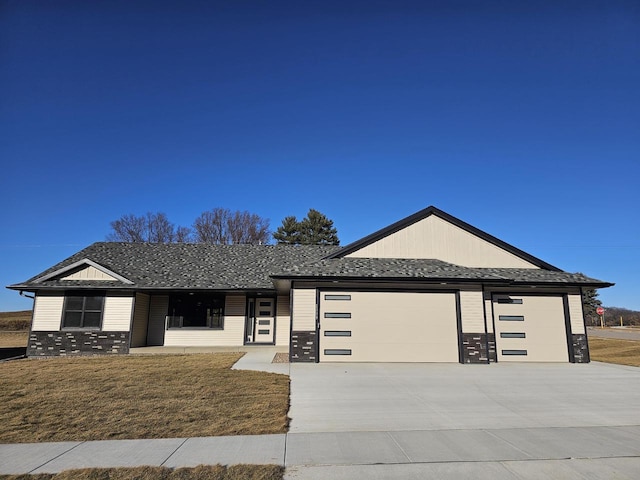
{"x":174,"y":451}
{"x":390,"y":435}
{"x":56,"y":457}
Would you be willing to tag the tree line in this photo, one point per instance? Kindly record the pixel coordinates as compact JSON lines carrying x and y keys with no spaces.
{"x":222,"y":226}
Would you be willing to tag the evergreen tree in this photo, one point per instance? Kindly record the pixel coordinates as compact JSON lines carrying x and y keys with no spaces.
{"x":314,"y":229}
{"x":590,"y":302}
{"x":289,"y":232}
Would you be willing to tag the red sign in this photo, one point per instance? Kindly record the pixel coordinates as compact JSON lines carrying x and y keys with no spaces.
{"x":600,"y":311}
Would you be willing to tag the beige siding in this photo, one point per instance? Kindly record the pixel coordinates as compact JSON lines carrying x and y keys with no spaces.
{"x":575,"y":313}
{"x":232,"y":335}
{"x":88,"y":273}
{"x":158,"y":308}
{"x":543,"y":325}
{"x":390,"y":327}
{"x":140,"y":320}
{"x":117,"y":314}
{"x":434,"y":237}
{"x":283,"y":320}
{"x":47,"y":313}
{"x":488,"y":310}
{"x":304,"y":309}
{"x":471,"y":311}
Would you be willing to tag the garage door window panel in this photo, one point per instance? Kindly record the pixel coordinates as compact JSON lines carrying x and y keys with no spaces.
{"x":511,"y":318}
{"x":337,"y":333}
{"x":337,"y":297}
{"x":337,"y":315}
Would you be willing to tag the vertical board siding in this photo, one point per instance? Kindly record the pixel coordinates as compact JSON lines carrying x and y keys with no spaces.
{"x":304,"y":309}
{"x":47,"y":313}
{"x":117,"y":314}
{"x":232,"y":335}
{"x":140,"y":320}
{"x":576,"y":314}
{"x":283,"y":320}
{"x":471,"y":311}
{"x":434,"y":237}
{"x":89,"y":273}
{"x":158,"y":308}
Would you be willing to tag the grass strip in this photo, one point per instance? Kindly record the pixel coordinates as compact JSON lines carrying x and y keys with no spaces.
{"x":201,"y":472}
{"x":128,"y":397}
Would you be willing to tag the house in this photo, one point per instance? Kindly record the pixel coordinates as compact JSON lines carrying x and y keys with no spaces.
{"x":429,"y":288}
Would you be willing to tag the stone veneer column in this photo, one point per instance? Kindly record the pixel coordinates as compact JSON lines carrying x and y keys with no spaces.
{"x":474,"y":347}
{"x":304,"y":347}
{"x":580,"y":348}
{"x":77,"y":343}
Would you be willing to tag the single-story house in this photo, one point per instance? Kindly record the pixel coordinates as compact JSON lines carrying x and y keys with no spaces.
{"x":429,"y":288}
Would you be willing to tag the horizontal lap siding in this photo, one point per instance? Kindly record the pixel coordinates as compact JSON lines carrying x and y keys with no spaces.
{"x":472,"y":311}
{"x":47,"y":313}
{"x":117,"y":314}
{"x":230,"y":336}
{"x":576,"y":314}
{"x":283,"y":320}
{"x":304,"y":309}
{"x":434,"y":237}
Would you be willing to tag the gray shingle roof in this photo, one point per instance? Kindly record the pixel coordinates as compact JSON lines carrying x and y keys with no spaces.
{"x":251,"y":267}
{"x":430,"y":270}
{"x":187,"y":266}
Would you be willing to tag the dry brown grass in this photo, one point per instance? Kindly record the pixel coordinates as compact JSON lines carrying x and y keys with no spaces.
{"x":157,"y":396}
{"x":15,"y":320}
{"x":613,"y":350}
{"x":13,"y":339}
{"x":202,"y":472}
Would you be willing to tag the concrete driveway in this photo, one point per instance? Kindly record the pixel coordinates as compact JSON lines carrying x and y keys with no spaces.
{"x":404,"y":397}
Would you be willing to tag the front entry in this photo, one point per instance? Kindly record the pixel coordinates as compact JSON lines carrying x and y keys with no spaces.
{"x":260,"y":322}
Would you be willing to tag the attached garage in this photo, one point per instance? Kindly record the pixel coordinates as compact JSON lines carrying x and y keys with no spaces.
{"x":379,"y":326}
{"x":530,"y":328}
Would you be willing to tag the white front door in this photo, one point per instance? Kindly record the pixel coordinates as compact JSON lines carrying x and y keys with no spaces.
{"x":260,"y":326}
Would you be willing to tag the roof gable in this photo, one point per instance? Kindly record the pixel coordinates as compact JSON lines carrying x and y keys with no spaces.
{"x":85,"y":270}
{"x":432,"y":233}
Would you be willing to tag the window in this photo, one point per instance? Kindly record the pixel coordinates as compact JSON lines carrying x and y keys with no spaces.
{"x":337,"y":315}
{"x":196,"y":311}
{"x":514,"y":352}
{"x":337,"y":351}
{"x":512,"y":335}
{"x":83,"y":311}
{"x":511,"y":318}
{"x":337,"y":333}
{"x":516,"y":301}
{"x":337,"y":297}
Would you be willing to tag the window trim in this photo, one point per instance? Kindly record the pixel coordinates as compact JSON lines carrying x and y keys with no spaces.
{"x":84,"y":296}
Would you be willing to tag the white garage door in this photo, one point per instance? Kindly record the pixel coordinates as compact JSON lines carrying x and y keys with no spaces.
{"x":530,"y":328}
{"x":388,"y":327}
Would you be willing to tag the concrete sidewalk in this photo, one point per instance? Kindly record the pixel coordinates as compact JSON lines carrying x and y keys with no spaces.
{"x":304,"y":453}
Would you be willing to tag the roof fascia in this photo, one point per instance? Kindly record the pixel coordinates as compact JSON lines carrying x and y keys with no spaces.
{"x":80,"y":263}
{"x":427,"y":212}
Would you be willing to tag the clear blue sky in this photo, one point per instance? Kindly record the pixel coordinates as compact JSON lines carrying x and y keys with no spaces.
{"x":521,"y":118}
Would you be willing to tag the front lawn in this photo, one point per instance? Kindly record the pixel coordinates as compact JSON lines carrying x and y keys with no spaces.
{"x":156,"y":396}
{"x":613,"y":350}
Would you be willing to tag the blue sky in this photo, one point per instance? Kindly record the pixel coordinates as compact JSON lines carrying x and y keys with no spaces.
{"x":521,"y":118}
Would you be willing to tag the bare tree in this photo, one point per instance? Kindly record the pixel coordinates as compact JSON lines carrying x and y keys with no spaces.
{"x":222,"y":226}
{"x":128,"y":228}
{"x":149,"y":228}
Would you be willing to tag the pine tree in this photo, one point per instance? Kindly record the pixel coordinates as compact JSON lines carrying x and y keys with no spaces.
{"x":590,"y":302}
{"x":314,"y":229}
{"x":289,"y":232}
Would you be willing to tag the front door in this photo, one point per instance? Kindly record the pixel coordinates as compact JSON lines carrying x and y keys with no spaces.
{"x":260,"y":325}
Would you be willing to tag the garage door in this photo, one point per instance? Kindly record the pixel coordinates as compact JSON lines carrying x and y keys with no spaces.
{"x":530,"y":328}
{"x":388,"y":327}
